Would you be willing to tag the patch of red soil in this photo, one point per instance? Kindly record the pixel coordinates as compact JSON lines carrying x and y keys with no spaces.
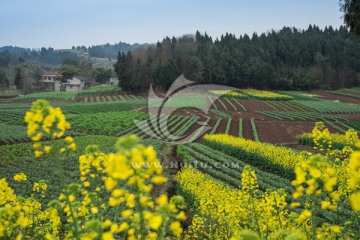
{"x":229,"y":107}
{"x":234,"y":129}
{"x":222,"y":127}
{"x":253,"y":105}
{"x":247,"y":130}
{"x":280,"y":132}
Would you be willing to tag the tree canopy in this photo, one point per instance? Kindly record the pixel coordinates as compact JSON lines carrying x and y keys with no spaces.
{"x":288,"y":59}
{"x":351,"y":9}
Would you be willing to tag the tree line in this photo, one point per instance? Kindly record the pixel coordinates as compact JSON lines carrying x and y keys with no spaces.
{"x":289,"y":59}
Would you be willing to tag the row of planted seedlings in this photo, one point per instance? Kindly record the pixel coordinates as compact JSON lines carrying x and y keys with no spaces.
{"x":227,"y":169}
{"x":234,"y":103}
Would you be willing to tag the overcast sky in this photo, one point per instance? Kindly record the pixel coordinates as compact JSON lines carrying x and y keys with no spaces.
{"x":66,"y":23}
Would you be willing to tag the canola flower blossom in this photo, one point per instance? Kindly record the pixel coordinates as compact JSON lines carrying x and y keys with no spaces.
{"x":220,"y":217}
{"x":282,"y":158}
{"x":44,"y":121}
{"x":114,"y":201}
{"x":228,"y":93}
{"x":325,"y":183}
{"x":20,"y":177}
{"x":265,"y":95}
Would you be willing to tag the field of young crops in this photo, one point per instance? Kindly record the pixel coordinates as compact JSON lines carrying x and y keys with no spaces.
{"x":302,"y":116}
{"x":101,"y":89}
{"x":56,"y":96}
{"x":228,"y":170}
{"x":229,"y":183}
{"x":18,"y":158}
{"x":108,"y":123}
{"x":330,"y":106}
{"x":252,"y":94}
{"x":45,"y":95}
{"x":11,"y":134}
{"x":230,"y":94}
{"x":89,"y":98}
{"x":353,"y":92}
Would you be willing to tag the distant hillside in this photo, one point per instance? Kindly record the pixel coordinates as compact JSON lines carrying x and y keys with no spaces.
{"x":12,"y":49}
{"x":96,"y":54}
{"x":111,"y":51}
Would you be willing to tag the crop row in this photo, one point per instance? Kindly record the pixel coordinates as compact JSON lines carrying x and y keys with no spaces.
{"x":228,"y":126}
{"x":347,"y":94}
{"x":158,"y":123}
{"x":338,"y":141}
{"x":265,"y":95}
{"x":235,"y":104}
{"x":12,"y":134}
{"x":12,"y":117}
{"x":240,"y":105}
{"x":101,"y":89}
{"x":330,"y":106}
{"x":216,"y":126}
{"x":220,"y":113}
{"x":179,"y":101}
{"x":255,"y":133}
{"x":102,"y":107}
{"x":355,"y":125}
{"x":219,"y":100}
{"x":200,"y":131}
{"x":227,"y":169}
{"x":278,"y":160}
{"x":19,"y":158}
{"x":302,"y":116}
{"x":298,"y":95}
{"x":163,"y":125}
{"x":108,"y":123}
{"x":187,"y":125}
{"x":228,"y":94}
{"x":284,"y":106}
{"x":45,"y":96}
{"x":240,"y":127}
{"x":108,"y":98}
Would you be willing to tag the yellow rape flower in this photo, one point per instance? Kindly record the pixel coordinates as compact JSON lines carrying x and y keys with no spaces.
{"x":162,"y":200}
{"x":176,"y":228}
{"x":20,"y":177}
{"x":155,"y":222}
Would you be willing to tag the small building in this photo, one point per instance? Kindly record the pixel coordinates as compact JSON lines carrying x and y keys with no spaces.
{"x":51,"y":81}
{"x":76,"y":83}
{"x":114,"y":81}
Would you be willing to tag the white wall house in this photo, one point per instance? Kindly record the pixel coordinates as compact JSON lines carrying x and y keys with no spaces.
{"x":52,"y":82}
{"x":114,"y":81}
{"x":76,"y":83}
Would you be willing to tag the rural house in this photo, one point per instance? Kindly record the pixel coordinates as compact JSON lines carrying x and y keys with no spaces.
{"x":52,"y":82}
{"x":114,"y":81}
{"x":76,"y":83}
